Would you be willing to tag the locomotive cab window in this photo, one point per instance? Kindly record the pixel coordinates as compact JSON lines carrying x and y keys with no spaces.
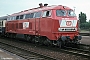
{"x":21,"y":16}
{"x":46,"y":14}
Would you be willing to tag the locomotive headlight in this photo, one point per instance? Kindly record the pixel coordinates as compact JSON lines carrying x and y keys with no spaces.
{"x":67,"y":29}
{"x":60,"y":29}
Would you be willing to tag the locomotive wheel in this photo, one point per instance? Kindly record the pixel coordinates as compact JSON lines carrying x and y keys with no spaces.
{"x":27,"y":37}
{"x":33,"y":39}
{"x":10,"y":36}
{"x":14,"y":36}
{"x":59,"y":43}
{"x":47,"y":42}
{"x":36,"y":39}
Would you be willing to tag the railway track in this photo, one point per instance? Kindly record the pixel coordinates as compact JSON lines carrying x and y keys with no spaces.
{"x":56,"y":51}
{"x":24,"y":53}
{"x":80,"y":50}
{"x":84,"y":52}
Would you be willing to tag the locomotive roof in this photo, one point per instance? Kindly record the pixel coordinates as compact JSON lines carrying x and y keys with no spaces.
{"x":3,"y":18}
{"x":40,"y":9}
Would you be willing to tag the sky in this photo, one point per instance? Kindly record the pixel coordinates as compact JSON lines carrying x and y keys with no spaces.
{"x":8,"y":7}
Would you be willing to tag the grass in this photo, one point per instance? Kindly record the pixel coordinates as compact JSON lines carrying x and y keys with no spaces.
{"x":84,"y":31}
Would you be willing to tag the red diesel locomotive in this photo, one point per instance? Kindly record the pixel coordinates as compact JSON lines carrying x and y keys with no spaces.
{"x":54,"y":25}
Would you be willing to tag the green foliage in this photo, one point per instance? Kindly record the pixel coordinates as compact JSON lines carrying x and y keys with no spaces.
{"x":83,"y":24}
{"x":89,"y":21}
{"x":82,"y":17}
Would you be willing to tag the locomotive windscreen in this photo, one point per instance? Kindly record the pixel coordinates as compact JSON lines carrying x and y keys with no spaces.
{"x":65,"y":13}
{"x":71,"y":13}
{"x":60,"y":12}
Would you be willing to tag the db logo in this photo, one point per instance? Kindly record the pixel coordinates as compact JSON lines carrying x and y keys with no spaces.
{"x":68,"y":23}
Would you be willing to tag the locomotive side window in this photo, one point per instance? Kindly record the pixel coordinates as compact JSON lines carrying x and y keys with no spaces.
{"x":46,"y":13}
{"x":60,"y":12}
{"x":38,"y":14}
{"x":27,"y":16}
{"x":8,"y":19}
{"x":17,"y":17}
{"x":11,"y":18}
{"x":14,"y":18}
{"x":21,"y":16}
{"x":31,"y":15}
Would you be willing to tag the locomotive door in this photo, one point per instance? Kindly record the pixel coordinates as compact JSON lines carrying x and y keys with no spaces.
{"x":37,"y":22}
{"x":37,"y":26}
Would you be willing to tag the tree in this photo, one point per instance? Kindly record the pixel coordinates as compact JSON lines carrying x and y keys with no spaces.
{"x":82,"y":17}
{"x":89,"y":20}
